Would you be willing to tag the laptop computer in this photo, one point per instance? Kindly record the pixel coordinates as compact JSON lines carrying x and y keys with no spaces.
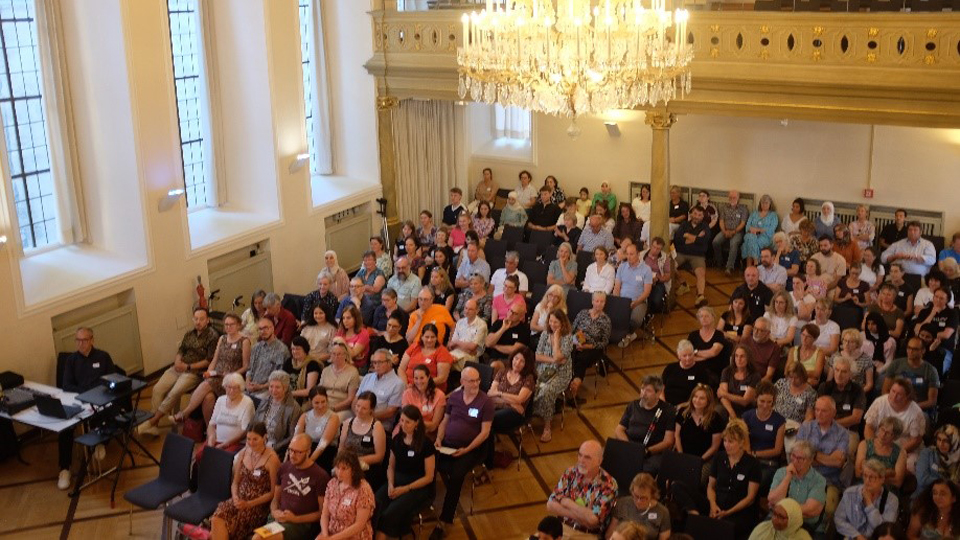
{"x":53,"y":407}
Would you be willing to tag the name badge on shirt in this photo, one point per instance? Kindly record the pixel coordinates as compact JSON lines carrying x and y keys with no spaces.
{"x":768,"y":427}
{"x":96,"y":366}
{"x":515,"y":335}
{"x":942,"y":323}
{"x":410,"y":453}
{"x":427,"y":360}
{"x":366,"y":438}
{"x":740,"y":477}
{"x":743,"y":387}
{"x":846,"y":406}
{"x":234,"y":346}
{"x":346,"y":502}
{"x":256,"y":473}
{"x":934,"y":467}
{"x":919,"y":380}
{"x":799,"y":401}
{"x":691,"y":377}
{"x":473,"y":412}
{"x":638,"y":278}
{"x":652,"y":516}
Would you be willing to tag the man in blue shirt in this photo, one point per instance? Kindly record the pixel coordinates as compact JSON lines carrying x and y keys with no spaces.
{"x":634,"y":281}
{"x":831,"y":445}
{"x":691,"y":242}
{"x":953,"y":251}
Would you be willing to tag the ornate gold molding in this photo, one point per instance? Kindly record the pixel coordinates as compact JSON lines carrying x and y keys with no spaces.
{"x":660,"y":119}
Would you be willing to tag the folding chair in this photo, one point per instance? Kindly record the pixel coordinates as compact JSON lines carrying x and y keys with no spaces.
{"x":214,"y":477}
{"x":486,"y":374}
{"x":623,"y":460}
{"x":618,"y":309}
{"x":584,"y":259}
{"x":699,"y":526}
{"x":512,"y":235}
{"x":683,"y":468}
{"x":541,"y":239}
{"x":537,"y":290}
{"x":536,"y":271}
{"x":549,"y":254}
{"x":495,"y":248}
{"x":527,"y":251}
{"x":578,"y":301}
{"x":173,"y":480}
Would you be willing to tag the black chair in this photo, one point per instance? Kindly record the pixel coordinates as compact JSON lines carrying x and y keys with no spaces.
{"x":584,"y":259}
{"x":950,"y":392}
{"x":214,"y":477}
{"x":536,"y":271}
{"x":495,"y":248}
{"x":495,"y":214}
{"x":578,"y":301}
{"x":699,"y":526}
{"x":618,"y":309}
{"x":623,"y":460}
{"x":293,"y":303}
{"x":495,"y":262}
{"x":541,"y":239}
{"x":549,"y":254}
{"x":486,"y":374}
{"x":683,"y":468}
{"x":537,"y":290}
{"x":512,"y":235}
{"x":527,"y":251}
{"x":174,"y":478}
{"x":847,"y":316}
{"x":61,"y":367}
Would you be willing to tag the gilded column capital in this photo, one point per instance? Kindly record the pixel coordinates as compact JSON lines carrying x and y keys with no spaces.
{"x":660,"y":119}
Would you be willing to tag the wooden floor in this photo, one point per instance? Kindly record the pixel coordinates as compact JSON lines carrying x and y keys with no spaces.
{"x":32,"y":507}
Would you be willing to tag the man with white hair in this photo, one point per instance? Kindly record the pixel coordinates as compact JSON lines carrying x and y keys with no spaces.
{"x":467,"y":342}
{"x":511,"y":262}
{"x":585,"y":495}
{"x":831,"y":444}
{"x":384,"y":382}
{"x":284,"y":322}
{"x":801,"y":482}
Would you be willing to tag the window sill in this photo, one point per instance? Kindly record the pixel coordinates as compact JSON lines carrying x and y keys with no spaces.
{"x":212,"y":227}
{"x":71,"y":270}
{"x":338,"y":192}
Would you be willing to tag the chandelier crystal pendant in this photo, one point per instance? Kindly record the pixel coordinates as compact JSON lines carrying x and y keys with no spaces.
{"x":573,"y":57}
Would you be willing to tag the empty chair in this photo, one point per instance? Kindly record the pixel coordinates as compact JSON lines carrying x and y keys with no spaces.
{"x":512,"y":235}
{"x":495,"y":214}
{"x":549,"y":254}
{"x":584,"y":259}
{"x":541,"y":239}
{"x":537,"y":290}
{"x":578,"y":301}
{"x":495,"y":263}
{"x":527,"y":251}
{"x":677,"y":467}
{"x":173,"y":480}
{"x":536,"y":271}
{"x":699,"y":526}
{"x":495,"y":248}
{"x":623,"y":460}
{"x":215,"y":471}
{"x":618,"y":309}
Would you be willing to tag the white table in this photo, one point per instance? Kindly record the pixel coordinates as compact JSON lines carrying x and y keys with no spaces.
{"x":32,"y":417}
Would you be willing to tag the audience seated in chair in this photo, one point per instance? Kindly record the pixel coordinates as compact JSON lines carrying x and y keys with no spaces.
{"x":554,"y":368}
{"x":266,"y":356}
{"x":802,"y":483}
{"x":649,"y":421}
{"x":470,"y":265}
{"x":298,"y":496}
{"x":304,"y":371}
{"x":278,"y":411}
{"x":642,"y":507}
{"x":348,"y":501}
{"x":193,"y":356}
{"x":423,"y":394}
{"x":386,"y":385}
{"x":691,"y":240}
{"x":410,"y":476}
{"x":429,"y":313}
{"x":232,"y":356}
{"x":884,"y":448}
{"x":322,"y":426}
{"x":591,"y":329}
{"x":231,"y":417}
{"x":738,"y":383}
{"x":340,"y":379}
{"x":322,"y":297}
{"x":634,"y":280}
{"x":467,"y":342}
{"x":767,"y":429}
{"x":585,"y":495}
{"x":255,"y":473}
{"x":899,"y":402}
{"x":936,"y":512}
{"x":785,"y":523}
{"x":365,"y":436}
{"x":284,"y":322}
{"x":594,"y":235}
{"x":682,"y":376}
{"x":405,"y":284}
{"x":511,"y":392}
{"x":511,"y":262}
{"x":428,"y":352}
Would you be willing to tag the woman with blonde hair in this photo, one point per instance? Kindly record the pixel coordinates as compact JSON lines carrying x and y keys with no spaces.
{"x":699,"y":426}
{"x":861,"y":363}
{"x":783,"y":318}
{"x":555,"y":298}
{"x":862,"y":230}
{"x":554,"y":368}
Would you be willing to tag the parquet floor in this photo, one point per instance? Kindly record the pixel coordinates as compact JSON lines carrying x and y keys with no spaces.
{"x":32,"y":507}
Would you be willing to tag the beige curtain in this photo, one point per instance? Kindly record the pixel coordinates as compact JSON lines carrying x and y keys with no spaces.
{"x":428,"y":149}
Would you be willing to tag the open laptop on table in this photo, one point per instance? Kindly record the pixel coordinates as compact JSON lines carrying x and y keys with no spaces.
{"x":53,"y":407}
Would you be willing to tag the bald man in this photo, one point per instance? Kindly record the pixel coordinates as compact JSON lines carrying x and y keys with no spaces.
{"x":585,"y":495}
{"x":461,"y":440}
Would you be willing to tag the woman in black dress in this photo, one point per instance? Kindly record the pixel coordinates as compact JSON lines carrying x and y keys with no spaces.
{"x":410,"y":476}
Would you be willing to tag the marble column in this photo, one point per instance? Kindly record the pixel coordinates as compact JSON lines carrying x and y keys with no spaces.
{"x":660,"y":122}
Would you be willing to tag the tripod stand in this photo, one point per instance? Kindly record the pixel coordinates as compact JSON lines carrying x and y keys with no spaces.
{"x":384,"y":230}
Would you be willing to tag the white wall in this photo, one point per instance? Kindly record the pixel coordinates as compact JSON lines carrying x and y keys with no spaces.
{"x":163,"y":289}
{"x":912,"y":167}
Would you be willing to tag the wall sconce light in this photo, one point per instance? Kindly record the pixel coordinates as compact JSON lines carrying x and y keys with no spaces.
{"x":169,"y":200}
{"x":298,"y":163}
{"x":612,"y":129}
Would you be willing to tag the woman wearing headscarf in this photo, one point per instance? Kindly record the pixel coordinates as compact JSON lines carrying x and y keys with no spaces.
{"x":823,"y":225}
{"x":513,"y":214}
{"x":942,"y":460}
{"x":339,"y":280}
{"x":785,"y":524}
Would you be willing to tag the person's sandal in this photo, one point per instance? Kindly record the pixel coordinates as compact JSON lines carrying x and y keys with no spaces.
{"x":546,"y":437}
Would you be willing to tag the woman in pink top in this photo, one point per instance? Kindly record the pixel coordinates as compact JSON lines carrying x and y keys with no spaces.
{"x":356,"y":335}
{"x":424,"y":395}
{"x":510,"y":296}
{"x":816,"y":285}
{"x":458,"y":234}
{"x":348,"y":501}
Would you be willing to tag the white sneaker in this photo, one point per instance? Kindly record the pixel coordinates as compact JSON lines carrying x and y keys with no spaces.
{"x":147,"y":428}
{"x":627,"y":340}
{"x":99,"y":452}
{"x":63,"y":481}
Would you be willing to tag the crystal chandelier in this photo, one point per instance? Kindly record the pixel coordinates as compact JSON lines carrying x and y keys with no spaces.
{"x":571,"y":57}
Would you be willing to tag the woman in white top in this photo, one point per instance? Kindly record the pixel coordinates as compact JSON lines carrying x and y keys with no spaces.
{"x":641,"y":204}
{"x":319,"y":333}
{"x":862,"y":229}
{"x":320,"y":424}
{"x":252,"y":314}
{"x":791,"y":222}
{"x":600,"y":274}
{"x":829,"y":340}
{"x":231,"y":415}
{"x":783,"y":321}
{"x":554,"y":298}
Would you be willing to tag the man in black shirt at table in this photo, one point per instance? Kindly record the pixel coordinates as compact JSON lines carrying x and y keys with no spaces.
{"x":81,"y":372}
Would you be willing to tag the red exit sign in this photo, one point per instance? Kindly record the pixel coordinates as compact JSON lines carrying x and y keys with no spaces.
{"x":867,"y":193}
